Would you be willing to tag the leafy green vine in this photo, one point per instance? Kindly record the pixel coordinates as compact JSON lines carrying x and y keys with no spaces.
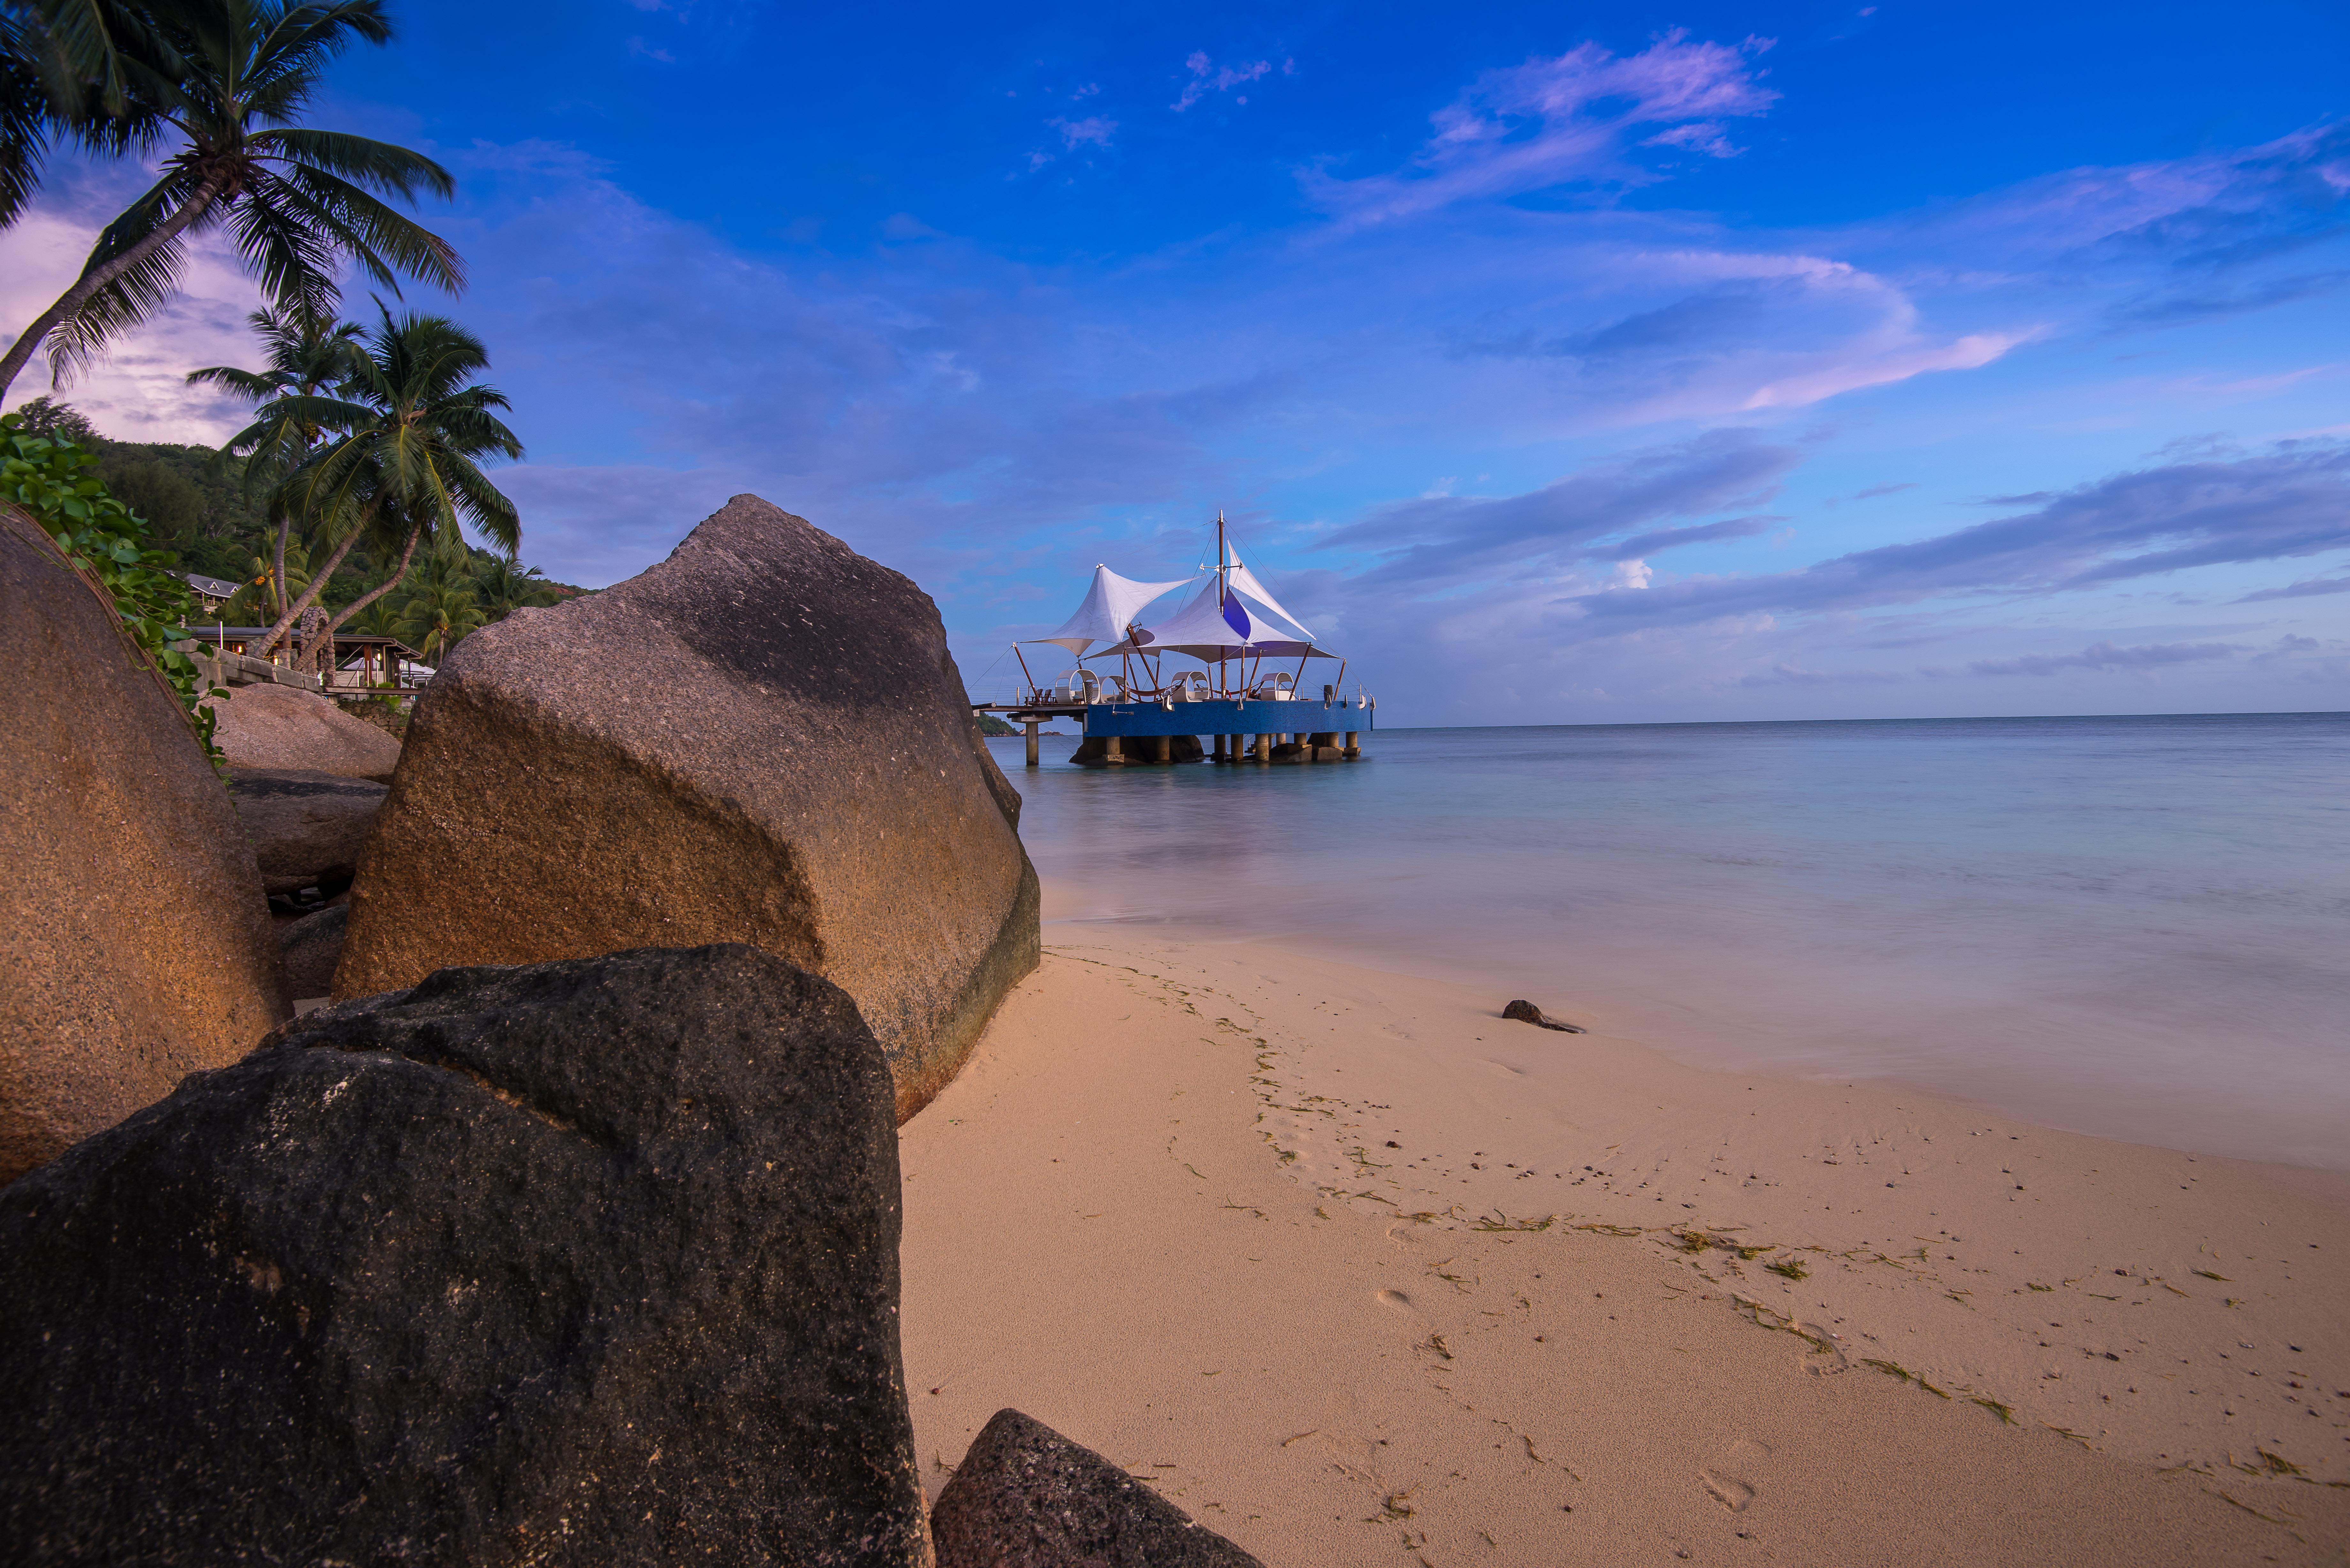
{"x":98,"y":536}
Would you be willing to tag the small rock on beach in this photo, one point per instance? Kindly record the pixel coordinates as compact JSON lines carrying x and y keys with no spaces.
{"x":1026,"y":1497}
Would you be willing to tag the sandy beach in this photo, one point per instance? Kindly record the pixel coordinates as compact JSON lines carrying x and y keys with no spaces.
{"x":1357,"y":1272}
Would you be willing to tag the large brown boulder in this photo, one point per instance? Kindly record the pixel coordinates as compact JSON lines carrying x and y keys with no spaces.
{"x":763,"y":740}
{"x":280,"y":727}
{"x":134,"y":936}
{"x":590,"y":1263}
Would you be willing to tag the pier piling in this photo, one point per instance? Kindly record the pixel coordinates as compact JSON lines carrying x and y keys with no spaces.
{"x":1032,"y":742}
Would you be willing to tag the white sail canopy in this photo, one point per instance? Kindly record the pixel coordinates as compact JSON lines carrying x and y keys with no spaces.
{"x":1110,"y":607}
{"x":1247,"y":622}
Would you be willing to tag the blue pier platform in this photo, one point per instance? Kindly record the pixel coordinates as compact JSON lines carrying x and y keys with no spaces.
{"x":1226,"y":716}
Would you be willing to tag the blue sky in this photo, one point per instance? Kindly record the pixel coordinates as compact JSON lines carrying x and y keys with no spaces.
{"x":1560,"y":364}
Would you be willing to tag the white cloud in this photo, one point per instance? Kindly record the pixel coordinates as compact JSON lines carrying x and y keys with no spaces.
{"x":1208,"y":77}
{"x":1573,"y":119}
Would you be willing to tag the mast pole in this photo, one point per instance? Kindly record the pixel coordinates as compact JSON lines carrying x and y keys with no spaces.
{"x":1221,"y":674}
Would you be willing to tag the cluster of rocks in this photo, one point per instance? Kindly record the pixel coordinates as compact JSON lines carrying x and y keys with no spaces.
{"x":308,"y":780}
{"x":570,"y":1234}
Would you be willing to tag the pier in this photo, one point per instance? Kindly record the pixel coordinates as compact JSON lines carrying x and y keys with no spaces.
{"x":1238,"y":730}
{"x":1144,"y":713}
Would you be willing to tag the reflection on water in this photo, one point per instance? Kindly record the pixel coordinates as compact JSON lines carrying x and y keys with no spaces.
{"x":2138,"y":927}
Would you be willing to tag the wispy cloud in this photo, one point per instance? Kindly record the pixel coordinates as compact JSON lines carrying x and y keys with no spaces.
{"x":1437,"y":539}
{"x":1580,"y":118}
{"x":2106,"y":656}
{"x":1207,"y":77}
{"x":1094,"y":131}
{"x":1784,"y":674}
{"x":2292,"y":501}
{"x":1870,"y":493}
{"x":2307,"y":588}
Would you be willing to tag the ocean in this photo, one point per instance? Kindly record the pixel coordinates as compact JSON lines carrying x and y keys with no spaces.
{"x":2133,"y":927}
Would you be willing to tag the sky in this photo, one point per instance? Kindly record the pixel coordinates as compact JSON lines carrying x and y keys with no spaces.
{"x":1555,"y":364}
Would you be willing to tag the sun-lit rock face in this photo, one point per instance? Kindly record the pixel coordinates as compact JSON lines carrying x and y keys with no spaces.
{"x":763,"y":740}
{"x":136,"y":938}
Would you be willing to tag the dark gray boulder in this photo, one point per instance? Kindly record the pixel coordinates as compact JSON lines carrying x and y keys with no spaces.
{"x":584,"y":1262}
{"x":763,"y":739}
{"x":312,"y":946}
{"x":308,"y":828}
{"x":1026,"y":1497}
{"x":1525,"y":1011}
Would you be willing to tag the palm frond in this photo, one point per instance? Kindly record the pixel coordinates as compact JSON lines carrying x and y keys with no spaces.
{"x":245,"y":384}
{"x":100,"y":59}
{"x":378,"y":236}
{"x":287,"y":244}
{"x":378,"y":165}
{"x":24,"y":120}
{"x":136,"y":296}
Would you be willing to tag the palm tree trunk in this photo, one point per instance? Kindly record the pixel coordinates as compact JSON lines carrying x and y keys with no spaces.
{"x":94,"y":279}
{"x":293,"y":612}
{"x":277,"y":582}
{"x":382,"y":589}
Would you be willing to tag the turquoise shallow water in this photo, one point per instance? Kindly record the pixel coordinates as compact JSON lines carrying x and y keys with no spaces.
{"x":2134,"y":927}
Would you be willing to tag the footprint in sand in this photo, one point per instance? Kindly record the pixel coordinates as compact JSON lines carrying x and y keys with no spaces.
{"x":1405,"y":1307}
{"x":1729,"y":1480}
{"x":1732,"y":1495}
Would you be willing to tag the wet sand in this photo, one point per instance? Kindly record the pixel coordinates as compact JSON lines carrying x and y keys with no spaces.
{"x":1357,"y":1272}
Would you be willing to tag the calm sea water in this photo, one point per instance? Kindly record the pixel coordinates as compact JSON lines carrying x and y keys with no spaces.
{"x":2134,"y":927}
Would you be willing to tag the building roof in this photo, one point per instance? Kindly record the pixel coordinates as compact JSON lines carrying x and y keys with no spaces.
{"x":210,"y":587}
{"x":217,"y":633}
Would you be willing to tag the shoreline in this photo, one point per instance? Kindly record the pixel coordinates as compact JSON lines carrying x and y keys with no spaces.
{"x":1360,"y":1197}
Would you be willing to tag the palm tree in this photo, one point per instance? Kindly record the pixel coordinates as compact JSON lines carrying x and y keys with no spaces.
{"x":441,"y":609}
{"x":307,"y":356}
{"x":505,"y":585}
{"x":269,"y":584}
{"x":409,"y":427}
{"x":296,"y":200}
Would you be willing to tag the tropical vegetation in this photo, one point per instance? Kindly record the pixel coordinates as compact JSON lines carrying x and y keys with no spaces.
{"x":307,"y":355}
{"x":227,"y":534}
{"x":400,"y":441}
{"x":50,"y":482}
{"x":345,"y":501}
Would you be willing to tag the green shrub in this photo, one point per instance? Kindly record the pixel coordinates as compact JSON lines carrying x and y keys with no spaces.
{"x":98,"y":535}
